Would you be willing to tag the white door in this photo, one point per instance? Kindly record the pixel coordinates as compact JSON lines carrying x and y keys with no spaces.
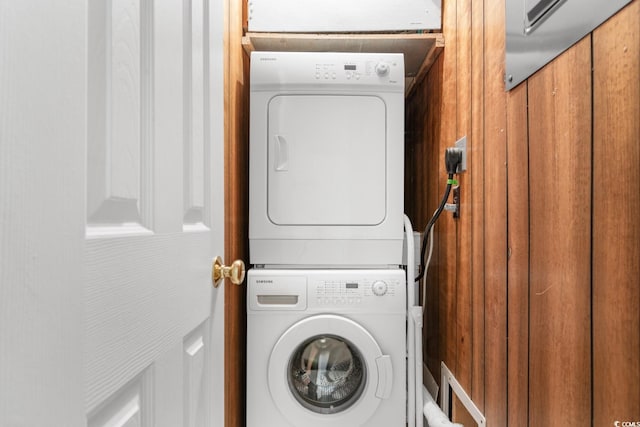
{"x":111,"y":192}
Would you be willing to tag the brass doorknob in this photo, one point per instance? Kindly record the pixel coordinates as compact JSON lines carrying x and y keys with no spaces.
{"x":235,"y":272}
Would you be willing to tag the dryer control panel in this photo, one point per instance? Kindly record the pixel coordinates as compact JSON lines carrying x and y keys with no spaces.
{"x":327,"y":290}
{"x":385,"y":71}
{"x":372,"y":70}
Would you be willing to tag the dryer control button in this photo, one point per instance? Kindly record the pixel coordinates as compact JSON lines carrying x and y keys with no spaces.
{"x":382,"y":69}
{"x":379,"y":288}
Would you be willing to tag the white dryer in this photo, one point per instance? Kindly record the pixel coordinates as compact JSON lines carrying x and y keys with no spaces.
{"x":326,"y":159}
{"x":326,"y":348}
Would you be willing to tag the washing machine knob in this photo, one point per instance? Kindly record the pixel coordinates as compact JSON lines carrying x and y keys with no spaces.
{"x":382,"y":69}
{"x":379,"y":288}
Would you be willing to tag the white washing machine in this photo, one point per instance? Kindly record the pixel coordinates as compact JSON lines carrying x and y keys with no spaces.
{"x":326,"y":159}
{"x":326,"y":348}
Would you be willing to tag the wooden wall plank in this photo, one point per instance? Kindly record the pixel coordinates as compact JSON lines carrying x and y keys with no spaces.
{"x":495,"y":215}
{"x":616,"y":219}
{"x":236,"y":212}
{"x":445,"y":227}
{"x":518,"y":261}
{"x":560,"y":278}
{"x":432,"y":127}
{"x":416,"y":145}
{"x":411,"y":172}
{"x":464,"y":313}
{"x":474,"y":206}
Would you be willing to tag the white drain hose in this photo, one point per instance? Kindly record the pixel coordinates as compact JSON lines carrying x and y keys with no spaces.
{"x":434,"y":415}
{"x":414,"y":338}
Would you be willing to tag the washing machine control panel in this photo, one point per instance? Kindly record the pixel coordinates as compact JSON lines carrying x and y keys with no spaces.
{"x":354,"y":291}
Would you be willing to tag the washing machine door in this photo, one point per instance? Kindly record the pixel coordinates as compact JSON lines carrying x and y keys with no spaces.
{"x":328,"y":369}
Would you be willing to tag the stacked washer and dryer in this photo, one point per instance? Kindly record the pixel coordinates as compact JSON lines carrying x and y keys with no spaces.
{"x":327,"y":296}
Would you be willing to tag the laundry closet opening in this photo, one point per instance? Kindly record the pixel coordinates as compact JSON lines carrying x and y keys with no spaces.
{"x":289,"y":224}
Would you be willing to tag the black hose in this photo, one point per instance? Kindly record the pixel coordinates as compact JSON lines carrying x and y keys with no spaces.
{"x":427,"y":230}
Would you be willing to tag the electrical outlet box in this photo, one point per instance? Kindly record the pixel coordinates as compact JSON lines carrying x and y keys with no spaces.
{"x":456,"y":201}
{"x":462,"y":144}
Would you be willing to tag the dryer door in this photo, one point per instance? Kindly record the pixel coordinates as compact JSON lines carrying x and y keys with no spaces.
{"x":327,"y":369}
{"x":327,"y":160}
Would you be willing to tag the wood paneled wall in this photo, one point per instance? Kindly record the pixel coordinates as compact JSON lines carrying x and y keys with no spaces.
{"x":534,"y":293}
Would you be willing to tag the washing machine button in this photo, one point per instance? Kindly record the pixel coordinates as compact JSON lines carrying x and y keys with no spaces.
{"x":379,"y":288}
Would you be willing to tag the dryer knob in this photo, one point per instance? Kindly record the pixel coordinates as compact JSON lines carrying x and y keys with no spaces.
{"x":379,"y":288}
{"x":382,"y":69}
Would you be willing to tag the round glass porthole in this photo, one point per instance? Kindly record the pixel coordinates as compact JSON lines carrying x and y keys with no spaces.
{"x":326,"y":374}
